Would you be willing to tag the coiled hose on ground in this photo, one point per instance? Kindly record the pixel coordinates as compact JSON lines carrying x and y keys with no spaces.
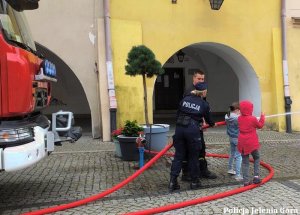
{"x":158,"y":209}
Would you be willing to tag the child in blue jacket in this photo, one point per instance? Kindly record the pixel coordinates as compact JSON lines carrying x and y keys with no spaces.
{"x":231,"y":119}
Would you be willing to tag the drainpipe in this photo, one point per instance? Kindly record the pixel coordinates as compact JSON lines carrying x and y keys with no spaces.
{"x":109,"y":68}
{"x":287,"y":97}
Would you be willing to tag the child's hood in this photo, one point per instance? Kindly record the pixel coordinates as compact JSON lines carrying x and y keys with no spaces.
{"x":246,"y":108}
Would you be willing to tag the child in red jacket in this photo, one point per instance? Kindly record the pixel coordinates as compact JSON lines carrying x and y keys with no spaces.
{"x":248,"y":140}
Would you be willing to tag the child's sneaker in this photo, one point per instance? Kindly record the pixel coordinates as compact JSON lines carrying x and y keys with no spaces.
{"x":231,"y":172}
{"x":247,"y":183}
{"x":256,"y":180}
{"x":238,"y":177}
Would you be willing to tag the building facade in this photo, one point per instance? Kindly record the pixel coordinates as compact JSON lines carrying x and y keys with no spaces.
{"x":239,"y":47}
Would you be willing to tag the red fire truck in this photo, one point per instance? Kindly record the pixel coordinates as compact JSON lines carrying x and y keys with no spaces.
{"x":25,"y":89}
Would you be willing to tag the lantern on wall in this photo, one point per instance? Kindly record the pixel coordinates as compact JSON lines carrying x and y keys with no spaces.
{"x":216,"y":4}
{"x":180,"y":56}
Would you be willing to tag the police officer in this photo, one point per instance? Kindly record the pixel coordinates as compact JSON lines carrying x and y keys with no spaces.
{"x":187,"y":138}
{"x":198,"y":76}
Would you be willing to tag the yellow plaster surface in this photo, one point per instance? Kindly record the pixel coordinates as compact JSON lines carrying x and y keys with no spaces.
{"x":246,"y":26}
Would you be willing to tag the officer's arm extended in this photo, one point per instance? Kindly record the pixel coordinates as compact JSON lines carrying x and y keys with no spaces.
{"x":208,"y":118}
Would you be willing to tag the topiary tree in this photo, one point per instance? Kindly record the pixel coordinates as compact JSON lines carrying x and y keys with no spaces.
{"x":141,"y":61}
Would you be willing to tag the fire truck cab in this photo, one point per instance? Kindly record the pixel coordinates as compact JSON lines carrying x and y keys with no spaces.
{"x":25,"y":89}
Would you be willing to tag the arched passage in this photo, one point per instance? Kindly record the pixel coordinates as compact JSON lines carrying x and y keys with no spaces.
{"x":68,"y":93}
{"x":248,"y":81}
{"x":229,"y":75}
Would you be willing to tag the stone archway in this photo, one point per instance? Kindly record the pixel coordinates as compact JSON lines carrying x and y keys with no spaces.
{"x":248,"y":84}
{"x":229,"y":75}
{"x":68,"y":93}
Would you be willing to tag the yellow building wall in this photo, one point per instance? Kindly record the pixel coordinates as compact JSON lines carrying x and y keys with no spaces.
{"x":277,"y":83}
{"x":246,"y":26}
{"x":293,"y":50}
{"x":129,"y":90}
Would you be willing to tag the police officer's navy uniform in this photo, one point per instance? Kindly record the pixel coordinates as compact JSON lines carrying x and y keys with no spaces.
{"x":204,"y":172}
{"x":187,"y":138}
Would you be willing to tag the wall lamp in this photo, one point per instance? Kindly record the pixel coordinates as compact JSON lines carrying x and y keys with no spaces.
{"x":180,"y":56}
{"x":216,"y":4}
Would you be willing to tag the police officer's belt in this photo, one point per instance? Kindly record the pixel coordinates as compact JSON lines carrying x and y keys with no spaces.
{"x":183,"y":120}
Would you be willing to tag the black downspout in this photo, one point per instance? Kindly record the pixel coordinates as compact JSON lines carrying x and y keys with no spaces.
{"x":288,"y":120}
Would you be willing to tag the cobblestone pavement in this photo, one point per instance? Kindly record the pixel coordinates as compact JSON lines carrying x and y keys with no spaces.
{"x":88,"y":167}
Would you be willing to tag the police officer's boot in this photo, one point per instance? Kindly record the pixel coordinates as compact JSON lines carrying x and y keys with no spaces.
{"x":204,"y":172}
{"x":185,"y":172}
{"x":173,"y":185}
{"x":195,"y":184}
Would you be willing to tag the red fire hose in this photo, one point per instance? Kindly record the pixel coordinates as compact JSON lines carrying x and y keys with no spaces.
{"x":104,"y":193}
{"x":206,"y":198}
{"x":159,"y":209}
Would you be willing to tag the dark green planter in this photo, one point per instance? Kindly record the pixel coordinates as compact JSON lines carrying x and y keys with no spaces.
{"x":128,"y":147}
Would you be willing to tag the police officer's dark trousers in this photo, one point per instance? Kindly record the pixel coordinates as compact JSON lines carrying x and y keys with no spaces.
{"x":204,"y":172}
{"x":187,"y":139}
